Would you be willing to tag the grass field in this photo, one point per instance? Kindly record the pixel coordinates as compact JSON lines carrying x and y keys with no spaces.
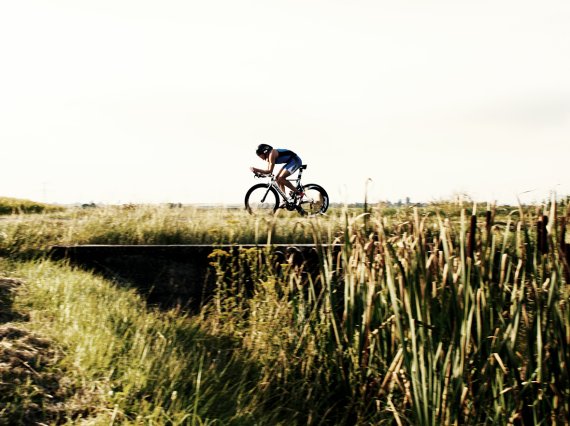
{"x":442,"y":314}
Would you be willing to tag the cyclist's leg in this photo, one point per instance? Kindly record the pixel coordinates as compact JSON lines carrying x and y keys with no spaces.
{"x":282,"y":179}
{"x":288,"y":169}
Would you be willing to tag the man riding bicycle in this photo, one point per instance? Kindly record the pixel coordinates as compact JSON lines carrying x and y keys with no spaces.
{"x":279,"y":156}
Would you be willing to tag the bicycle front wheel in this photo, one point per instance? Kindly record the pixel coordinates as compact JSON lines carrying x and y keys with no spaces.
{"x":261,"y":199}
{"x":316,"y":199}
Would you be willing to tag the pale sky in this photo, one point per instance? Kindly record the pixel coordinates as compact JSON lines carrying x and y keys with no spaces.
{"x":118,"y":101}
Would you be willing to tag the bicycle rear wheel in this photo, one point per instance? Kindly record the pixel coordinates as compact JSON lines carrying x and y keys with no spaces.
{"x":261,"y":199}
{"x":316,"y":199}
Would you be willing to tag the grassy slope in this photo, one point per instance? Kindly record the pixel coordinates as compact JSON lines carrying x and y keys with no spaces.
{"x":128,"y":363}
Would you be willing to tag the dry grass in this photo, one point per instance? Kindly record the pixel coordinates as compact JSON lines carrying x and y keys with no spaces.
{"x":33,"y":387}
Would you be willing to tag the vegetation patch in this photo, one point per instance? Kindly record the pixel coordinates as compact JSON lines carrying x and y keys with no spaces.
{"x":435,"y":315}
{"x":33,"y":387}
{"x":17,"y":206}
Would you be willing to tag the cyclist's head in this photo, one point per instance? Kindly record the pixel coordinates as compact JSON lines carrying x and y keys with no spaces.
{"x":263,"y":149}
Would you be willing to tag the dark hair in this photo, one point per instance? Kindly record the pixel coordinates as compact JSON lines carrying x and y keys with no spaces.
{"x":263,"y":149}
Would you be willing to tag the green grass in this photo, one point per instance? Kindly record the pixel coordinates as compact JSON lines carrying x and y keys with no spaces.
{"x":137,"y":365}
{"x":417,"y":318}
{"x":9,"y":206}
{"x":31,"y":235}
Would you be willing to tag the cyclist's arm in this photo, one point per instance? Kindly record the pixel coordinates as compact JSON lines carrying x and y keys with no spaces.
{"x":270,"y":164}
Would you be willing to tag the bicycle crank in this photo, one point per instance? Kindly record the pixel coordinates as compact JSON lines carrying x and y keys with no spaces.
{"x":290,"y":206}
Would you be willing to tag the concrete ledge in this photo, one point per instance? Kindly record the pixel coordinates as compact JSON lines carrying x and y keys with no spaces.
{"x":167,"y":249}
{"x":178,"y":274}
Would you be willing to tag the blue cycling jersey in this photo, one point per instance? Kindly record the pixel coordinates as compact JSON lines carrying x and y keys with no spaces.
{"x":292,"y":161}
{"x":284,"y":156}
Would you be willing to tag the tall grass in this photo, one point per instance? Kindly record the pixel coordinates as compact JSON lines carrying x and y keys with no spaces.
{"x":403,"y":325}
{"x":30,"y":236}
{"x":441,"y":316}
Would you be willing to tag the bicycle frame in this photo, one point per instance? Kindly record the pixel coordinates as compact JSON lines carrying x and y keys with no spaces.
{"x":273,"y":183}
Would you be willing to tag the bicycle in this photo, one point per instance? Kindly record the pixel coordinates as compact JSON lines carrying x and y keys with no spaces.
{"x":264,"y":198}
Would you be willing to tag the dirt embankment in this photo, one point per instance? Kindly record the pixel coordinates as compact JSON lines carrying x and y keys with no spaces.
{"x":33,"y":389}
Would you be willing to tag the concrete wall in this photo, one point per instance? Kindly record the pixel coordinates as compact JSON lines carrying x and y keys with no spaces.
{"x":168,"y":274}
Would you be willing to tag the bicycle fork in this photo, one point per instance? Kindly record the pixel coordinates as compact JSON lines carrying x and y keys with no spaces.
{"x":266,"y":192}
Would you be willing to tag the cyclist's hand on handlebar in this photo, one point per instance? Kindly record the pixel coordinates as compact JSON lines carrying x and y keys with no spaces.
{"x":256,"y":174}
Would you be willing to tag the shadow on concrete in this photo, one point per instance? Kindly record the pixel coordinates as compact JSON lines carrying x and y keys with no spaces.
{"x":171,"y":275}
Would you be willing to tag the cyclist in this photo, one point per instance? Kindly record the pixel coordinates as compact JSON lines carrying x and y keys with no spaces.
{"x":279,"y":156}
